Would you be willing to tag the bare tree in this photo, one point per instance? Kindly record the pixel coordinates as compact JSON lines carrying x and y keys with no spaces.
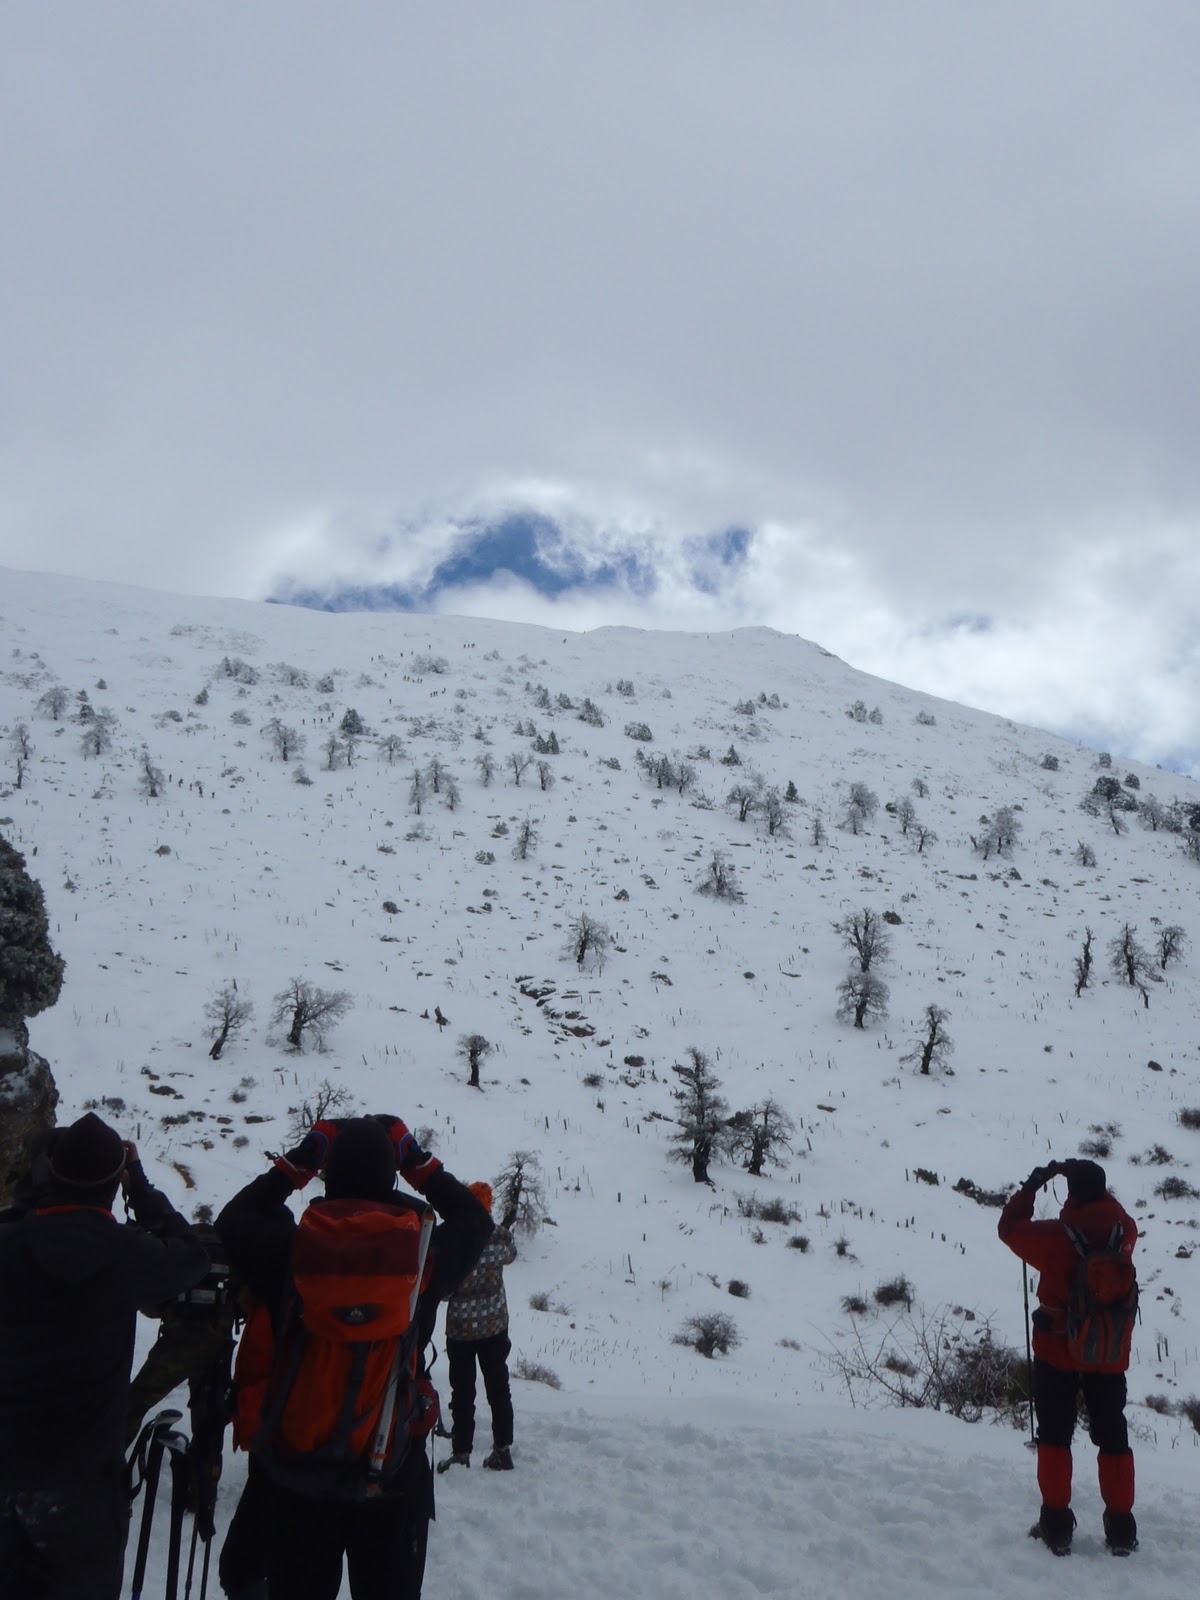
{"x":322,"y":1103}
{"x":924,"y":836}
{"x":1152,"y":813}
{"x":920,"y":788}
{"x":745,"y":796}
{"x":545,"y":775}
{"x":391,"y":748}
{"x":865,"y":933}
{"x":473,"y":1047}
{"x":150,"y":778}
{"x":1083,"y":963}
{"x":720,"y":880}
{"x":1172,"y":942}
{"x":589,"y":940}
{"x":416,"y":791}
{"x":486,"y":763}
{"x":861,"y":805}
{"x":520,"y":1193}
{"x":999,"y":834}
{"x":335,"y":751}
{"x":21,"y":745}
{"x":228,"y":1014}
{"x":451,"y":795}
{"x":775,"y":813}
{"x":54,"y":702}
{"x":435,"y":774}
{"x":862,"y":997}
{"x":307,"y":1009}
{"x":526,"y":840}
{"x":285,"y":740}
{"x":906,"y":814}
{"x":519,"y":761}
{"x":685,"y":776}
{"x":816,"y":832}
{"x":1129,"y":961}
{"x":760,"y":1133}
{"x":934,"y":1047}
{"x":702,"y":1114}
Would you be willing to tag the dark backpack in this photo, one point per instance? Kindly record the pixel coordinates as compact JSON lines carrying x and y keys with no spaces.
{"x":347,"y":1393}
{"x":1102,"y":1304}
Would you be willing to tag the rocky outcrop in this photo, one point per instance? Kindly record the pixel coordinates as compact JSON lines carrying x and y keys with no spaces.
{"x":28,"y":1097}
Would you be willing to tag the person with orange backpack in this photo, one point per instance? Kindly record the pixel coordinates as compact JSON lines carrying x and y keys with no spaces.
{"x":353,"y":1290}
{"x":1082,"y":1331}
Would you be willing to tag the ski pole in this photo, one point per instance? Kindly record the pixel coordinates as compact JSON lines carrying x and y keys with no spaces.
{"x":177,"y":1444}
{"x":1028,"y":1357}
{"x":146,"y":1457}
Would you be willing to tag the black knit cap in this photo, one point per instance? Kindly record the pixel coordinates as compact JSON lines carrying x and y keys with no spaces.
{"x":87,"y":1155}
{"x":362,"y":1163}
{"x":1086,"y":1180}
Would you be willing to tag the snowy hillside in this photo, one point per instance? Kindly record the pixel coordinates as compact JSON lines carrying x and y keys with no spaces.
{"x":393,"y":873}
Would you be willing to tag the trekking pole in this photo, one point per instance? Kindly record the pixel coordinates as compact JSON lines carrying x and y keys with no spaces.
{"x":177,"y":1444}
{"x":1028,"y":1358}
{"x":146,"y":1458}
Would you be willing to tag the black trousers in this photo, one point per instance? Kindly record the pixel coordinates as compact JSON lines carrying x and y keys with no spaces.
{"x":243,"y":1560}
{"x":1056,"y":1400}
{"x":382,"y":1542}
{"x":66,"y":1543}
{"x":492,"y":1357}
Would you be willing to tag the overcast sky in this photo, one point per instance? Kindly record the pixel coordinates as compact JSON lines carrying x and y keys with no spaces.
{"x":302,"y":297}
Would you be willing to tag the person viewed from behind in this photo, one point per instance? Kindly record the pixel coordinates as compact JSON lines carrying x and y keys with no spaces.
{"x":353,"y":1290}
{"x":477,"y":1333}
{"x":1087,"y":1298}
{"x":71,"y":1281}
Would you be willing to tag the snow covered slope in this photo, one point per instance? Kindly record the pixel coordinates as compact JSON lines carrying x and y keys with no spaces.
{"x":236,"y":871}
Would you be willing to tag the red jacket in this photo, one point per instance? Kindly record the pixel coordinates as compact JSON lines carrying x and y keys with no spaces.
{"x":1045,"y":1246}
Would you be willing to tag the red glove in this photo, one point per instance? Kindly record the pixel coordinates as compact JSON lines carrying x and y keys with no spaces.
{"x":303,"y":1163}
{"x":415,"y":1166}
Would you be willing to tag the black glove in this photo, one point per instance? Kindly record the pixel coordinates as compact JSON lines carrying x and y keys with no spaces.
{"x":1041,"y":1176}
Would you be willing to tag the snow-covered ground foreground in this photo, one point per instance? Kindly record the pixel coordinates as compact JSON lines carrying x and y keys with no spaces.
{"x":676,"y":1501}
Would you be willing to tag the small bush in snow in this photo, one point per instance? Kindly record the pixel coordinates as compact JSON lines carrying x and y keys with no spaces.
{"x":535,"y":1372}
{"x":710,"y":1333}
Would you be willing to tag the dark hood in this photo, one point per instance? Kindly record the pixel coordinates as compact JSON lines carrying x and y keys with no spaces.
{"x":74,"y":1246}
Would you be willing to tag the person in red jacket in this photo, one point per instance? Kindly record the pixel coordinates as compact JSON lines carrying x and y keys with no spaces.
{"x":1091,"y":1212}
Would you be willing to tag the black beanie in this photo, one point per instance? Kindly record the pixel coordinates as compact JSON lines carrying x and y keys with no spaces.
{"x":362,"y":1163}
{"x":87,"y":1155}
{"x":1086,"y":1181}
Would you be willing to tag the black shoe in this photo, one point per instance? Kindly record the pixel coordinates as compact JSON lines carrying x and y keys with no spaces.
{"x":458,"y":1458}
{"x":1054,"y":1529}
{"x":1120,"y":1532}
{"x":499,"y":1460}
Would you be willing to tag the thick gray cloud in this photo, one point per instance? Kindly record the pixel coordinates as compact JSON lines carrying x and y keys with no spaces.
{"x":908,"y":290}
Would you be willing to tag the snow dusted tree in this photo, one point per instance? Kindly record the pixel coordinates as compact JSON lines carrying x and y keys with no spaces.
{"x":545,"y":776}
{"x":720,"y":880}
{"x":473,"y":1047}
{"x":775,"y":813}
{"x":526,"y":840}
{"x":760,"y":1133}
{"x":485,"y":761}
{"x":1084,"y":854}
{"x":98,"y":733}
{"x":861,"y":805}
{"x":1152,"y":813}
{"x":305,"y":1008}
{"x":54,"y":702}
{"x":451,"y":795}
{"x":999,"y":834}
{"x":150,"y":777}
{"x":31,"y":973}
{"x":934,"y":1047}
{"x":865,"y":933}
{"x":920,"y":788}
{"x":519,"y":1193}
{"x":227,"y":1015}
{"x":391,"y":748}
{"x":519,"y":762}
{"x":746,"y":795}
{"x":435,"y":774}
{"x":702,"y":1114}
{"x":335,"y":751}
{"x":416,"y":791}
{"x":816,"y":831}
{"x":862,"y":997}
{"x":1171,"y":943}
{"x":352,"y":724}
{"x":21,"y":745}
{"x":588,"y":940}
{"x":285,"y":741}
{"x":906,"y":814}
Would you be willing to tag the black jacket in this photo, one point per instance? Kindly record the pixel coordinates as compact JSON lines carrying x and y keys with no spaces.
{"x":71,"y":1282}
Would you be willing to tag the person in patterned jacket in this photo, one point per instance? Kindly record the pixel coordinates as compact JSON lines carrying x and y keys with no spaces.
{"x":477,"y":1331}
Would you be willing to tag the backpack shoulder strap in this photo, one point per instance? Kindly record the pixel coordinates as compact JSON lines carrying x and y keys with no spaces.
{"x":1077,"y":1239}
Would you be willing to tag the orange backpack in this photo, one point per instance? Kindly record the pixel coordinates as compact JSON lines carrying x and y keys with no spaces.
{"x":1102,"y":1305}
{"x":347,"y":1394}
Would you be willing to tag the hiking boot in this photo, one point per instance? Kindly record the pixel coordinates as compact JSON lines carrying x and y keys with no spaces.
{"x":499,"y":1460}
{"x":1120,"y":1532}
{"x":1054,"y":1528}
{"x":457,"y":1458}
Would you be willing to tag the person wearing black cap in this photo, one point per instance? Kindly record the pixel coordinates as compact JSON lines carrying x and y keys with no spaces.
{"x":1090,"y":1219}
{"x":312,"y":1526}
{"x":71,"y":1282}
